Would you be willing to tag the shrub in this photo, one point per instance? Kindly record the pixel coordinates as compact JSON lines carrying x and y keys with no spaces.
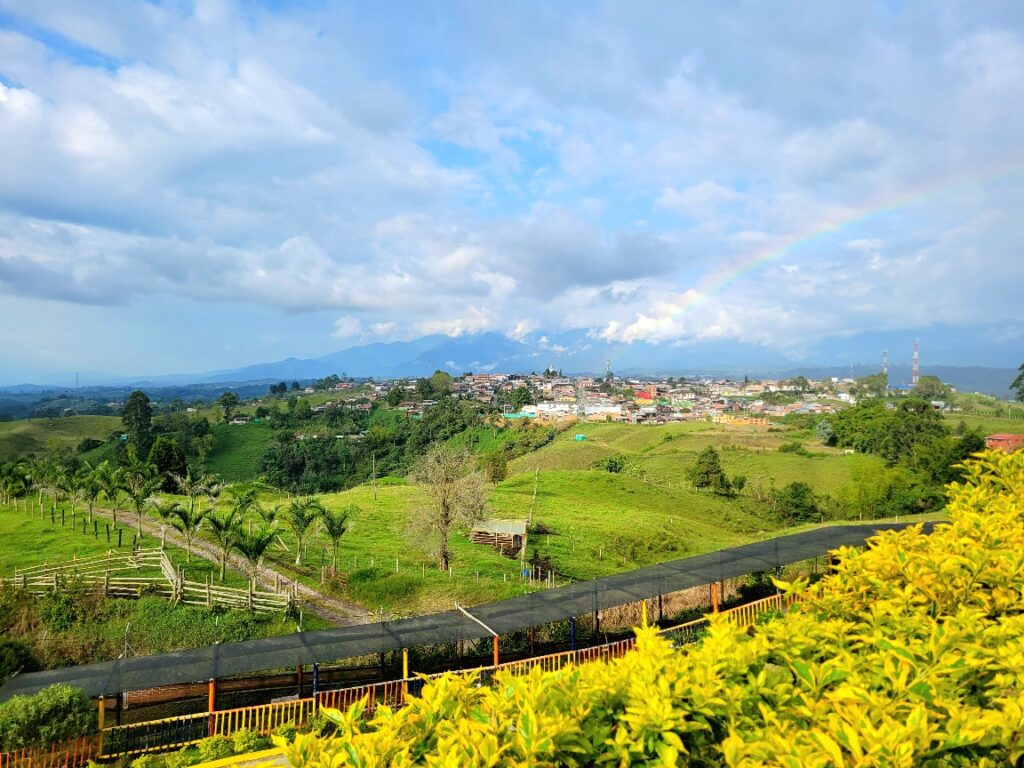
{"x":285,"y":731}
{"x":149,"y":761}
{"x":183,"y":758}
{"x":215,"y":748}
{"x":15,"y":656}
{"x":908,"y":654}
{"x":249,"y":741}
{"x":57,"y":713}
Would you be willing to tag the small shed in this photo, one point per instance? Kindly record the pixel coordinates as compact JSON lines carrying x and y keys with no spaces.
{"x":504,"y":535}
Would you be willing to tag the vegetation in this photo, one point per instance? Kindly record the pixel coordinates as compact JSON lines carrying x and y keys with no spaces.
{"x":454,"y":495}
{"x":900,"y":657}
{"x":57,"y":713}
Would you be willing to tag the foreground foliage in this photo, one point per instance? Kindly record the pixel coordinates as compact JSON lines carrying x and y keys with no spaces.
{"x":911,"y":653}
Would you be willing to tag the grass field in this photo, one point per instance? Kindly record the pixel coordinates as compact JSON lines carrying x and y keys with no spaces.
{"x":31,"y":436}
{"x":596,"y":523}
{"x":988,"y":425}
{"x":237,"y":449}
{"x":27,"y":539}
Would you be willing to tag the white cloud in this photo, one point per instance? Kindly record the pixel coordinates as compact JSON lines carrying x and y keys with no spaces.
{"x":698,"y":200}
{"x":346,"y":326}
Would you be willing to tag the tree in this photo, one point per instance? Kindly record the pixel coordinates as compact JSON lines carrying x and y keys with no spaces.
{"x":395,"y":395}
{"x":931,"y":388}
{"x":441,"y":384}
{"x":707,"y":472}
{"x":739,"y":483}
{"x":1018,"y":384}
{"x":335,"y":524}
{"x":227,"y":402}
{"x":796,"y":503}
{"x":875,"y":385}
{"x":453,"y":494}
{"x":140,"y":482}
{"x":137,"y":419}
{"x":494,"y":465}
{"x":519,"y":397}
{"x":226,"y":526}
{"x":111,"y":480}
{"x":254,"y":545}
{"x":824,"y":432}
{"x":188,"y":520}
{"x":300,"y":514}
{"x":167,"y":510}
{"x":90,"y":486}
{"x":169,"y":460}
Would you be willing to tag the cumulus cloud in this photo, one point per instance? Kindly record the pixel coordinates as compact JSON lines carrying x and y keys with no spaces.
{"x":629,"y":175}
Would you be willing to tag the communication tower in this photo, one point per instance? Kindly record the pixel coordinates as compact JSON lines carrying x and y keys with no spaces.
{"x":917,"y":361}
{"x":885,"y":361}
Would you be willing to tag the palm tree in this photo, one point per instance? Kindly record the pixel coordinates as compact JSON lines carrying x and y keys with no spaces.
{"x":12,"y":481}
{"x":213,"y":488}
{"x":167,"y":510}
{"x":300,"y":514}
{"x":192,"y":487}
{"x":188,"y":521}
{"x":90,"y":486}
{"x":269,"y":514}
{"x":335,"y":525}
{"x":111,"y":480}
{"x":226,"y":528}
{"x":140,"y":482}
{"x":254,"y":545}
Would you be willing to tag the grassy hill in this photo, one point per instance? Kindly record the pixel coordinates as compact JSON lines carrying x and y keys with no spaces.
{"x":661,"y":454}
{"x":237,"y":449}
{"x":31,"y":436}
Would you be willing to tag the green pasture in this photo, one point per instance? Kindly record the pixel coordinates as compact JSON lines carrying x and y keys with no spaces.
{"x":32,"y":436}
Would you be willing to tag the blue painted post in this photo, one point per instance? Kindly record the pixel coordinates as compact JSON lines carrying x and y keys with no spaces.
{"x":316,"y":679}
{"x":572,"y":633}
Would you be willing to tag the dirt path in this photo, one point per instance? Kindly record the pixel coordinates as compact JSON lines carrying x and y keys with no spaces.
{"x":340,"y":612}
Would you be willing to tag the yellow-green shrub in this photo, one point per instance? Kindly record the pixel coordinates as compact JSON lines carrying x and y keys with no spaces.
{"x":911,"y":653}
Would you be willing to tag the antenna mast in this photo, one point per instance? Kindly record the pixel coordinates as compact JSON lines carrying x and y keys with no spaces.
{"x":917,"y":363}
{"x":885,"y":361}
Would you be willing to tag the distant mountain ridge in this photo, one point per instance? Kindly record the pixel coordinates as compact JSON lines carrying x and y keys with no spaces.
{"x":995,"y":353}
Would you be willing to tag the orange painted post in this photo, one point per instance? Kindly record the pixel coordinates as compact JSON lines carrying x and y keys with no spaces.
{"x":643,"y":614}
{"x":495,"y":638}
{"x":101,"y":713}
{"x":714,"y":597}
{"x":211,"y":703}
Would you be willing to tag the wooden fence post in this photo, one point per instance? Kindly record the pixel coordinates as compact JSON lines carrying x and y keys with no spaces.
{"x":495,"y":639}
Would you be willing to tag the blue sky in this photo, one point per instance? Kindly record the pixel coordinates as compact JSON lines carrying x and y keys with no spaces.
{"x":187,"y":186}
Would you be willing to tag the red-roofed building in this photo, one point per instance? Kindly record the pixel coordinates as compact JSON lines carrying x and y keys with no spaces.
{"x":1005,"y":442}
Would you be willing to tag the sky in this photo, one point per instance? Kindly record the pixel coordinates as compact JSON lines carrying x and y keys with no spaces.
{"x":190,"y":186}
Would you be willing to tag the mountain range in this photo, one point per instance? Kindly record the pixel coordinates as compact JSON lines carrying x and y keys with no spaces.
{"x":988,"y":365}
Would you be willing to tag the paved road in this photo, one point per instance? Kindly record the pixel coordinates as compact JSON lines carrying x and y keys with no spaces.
{"x":333,"y":609}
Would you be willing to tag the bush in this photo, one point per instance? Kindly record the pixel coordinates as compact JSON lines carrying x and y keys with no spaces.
{"x":55,"y":714}
{"x":908,"y":654}
{"x":149,"y":761}
{"x":244,"y":742}
{"x":183,"y":758}
{"x":15,"y":656}
{"x":285,"y":731}
{"x":794,"y":447}
{"x":215,"y":748}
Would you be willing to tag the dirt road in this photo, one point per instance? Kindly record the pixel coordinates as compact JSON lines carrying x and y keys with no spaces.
{"x":333,"y":609}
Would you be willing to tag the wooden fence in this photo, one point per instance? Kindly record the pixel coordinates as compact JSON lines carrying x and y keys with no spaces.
{"x":106,"y":573}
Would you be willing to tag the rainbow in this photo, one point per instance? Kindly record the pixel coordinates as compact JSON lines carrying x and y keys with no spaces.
{"x":721,"y":278}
